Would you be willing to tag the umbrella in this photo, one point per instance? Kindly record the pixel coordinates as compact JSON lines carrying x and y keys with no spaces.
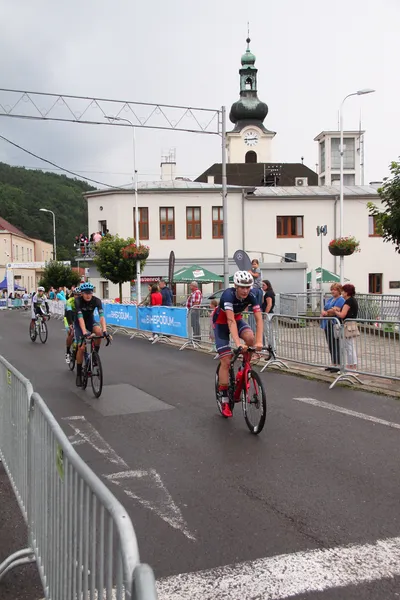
{"x":196,"y":273}
{"x":327,"y":276}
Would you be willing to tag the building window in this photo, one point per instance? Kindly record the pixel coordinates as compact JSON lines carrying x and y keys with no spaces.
{"x":103,"y":227}
{"x":251,"y":157}
{"x":374,"y":228}
{"x":217,"y":222}
{"x":322,"y":157}
{"x":143,"y":224}
{"x":289,"y":227}
{"x":249,"y":83}
{"x":375,"y":283}
{"x":348,"y":154}
{"x":322,"y":181}
{"x":167,"y":223}
{"x":193,"y":222}
{"x":16,"y":251}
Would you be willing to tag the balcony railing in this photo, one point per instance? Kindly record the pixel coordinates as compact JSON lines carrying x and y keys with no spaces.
{"x":84,"y":250}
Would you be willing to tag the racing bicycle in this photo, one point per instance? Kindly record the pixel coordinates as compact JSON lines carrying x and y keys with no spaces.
{"x":91,"y":367}
{"x":39,"y":328}
{"x":246,"y":387}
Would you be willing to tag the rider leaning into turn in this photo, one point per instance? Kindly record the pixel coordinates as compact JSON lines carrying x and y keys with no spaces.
{"x":69,"y":317}
{"x":39,"y":300}
{"x":229,"y":323}
{"x":85,"y":324}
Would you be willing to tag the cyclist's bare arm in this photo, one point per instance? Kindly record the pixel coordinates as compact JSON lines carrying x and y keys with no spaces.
{"x":103,"y":324}
{"x":259,"y":329}
{"x":233,"y":330}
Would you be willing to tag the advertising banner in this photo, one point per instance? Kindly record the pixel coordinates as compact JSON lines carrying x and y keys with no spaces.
{"x":3,"y":303}
{"x":242,"y":260}
{"x":163,"y":319}
{"x":123,"y":315}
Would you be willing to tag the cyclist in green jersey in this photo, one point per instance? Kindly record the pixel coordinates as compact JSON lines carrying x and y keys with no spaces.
{"x":69,"y":317}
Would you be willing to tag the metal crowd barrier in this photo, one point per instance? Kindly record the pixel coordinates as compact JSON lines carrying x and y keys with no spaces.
{"x":374,"y":352}
{"x":57,"y":308}
{"x":300,"y":339}
{"x":79,"y":535}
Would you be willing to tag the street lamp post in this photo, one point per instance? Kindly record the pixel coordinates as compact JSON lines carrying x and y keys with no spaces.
{"x":135,"y":184}
{"x":341,"y":150}
{"x":54,"y":231}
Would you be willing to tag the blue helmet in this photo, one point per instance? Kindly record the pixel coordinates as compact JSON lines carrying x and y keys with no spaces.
{"x":86,"y":287}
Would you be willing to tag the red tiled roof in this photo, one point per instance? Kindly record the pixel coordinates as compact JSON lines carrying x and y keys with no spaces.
{"x":5,"y":225}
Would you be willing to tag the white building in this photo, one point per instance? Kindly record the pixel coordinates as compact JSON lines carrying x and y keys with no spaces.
{"x":273,"y":210}
{"x":268,"y":222}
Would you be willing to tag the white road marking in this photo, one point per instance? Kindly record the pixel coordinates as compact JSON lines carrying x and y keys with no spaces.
{"x":288,"y":575}
{"x":137,"y":484}
{"x":346,"y":411}
{"x":85,"y":433}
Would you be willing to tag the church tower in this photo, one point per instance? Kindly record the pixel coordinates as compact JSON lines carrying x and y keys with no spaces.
{"x":249,"y":141}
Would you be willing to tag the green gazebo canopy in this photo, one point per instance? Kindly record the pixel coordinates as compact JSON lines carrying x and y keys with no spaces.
{"x":196,"y":273}
{"x":327,"y":276}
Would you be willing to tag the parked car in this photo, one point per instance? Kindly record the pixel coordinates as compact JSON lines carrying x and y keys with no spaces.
{"x":205,"y":303}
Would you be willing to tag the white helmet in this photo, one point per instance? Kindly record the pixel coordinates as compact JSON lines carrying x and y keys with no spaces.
{"x":40,"y":289}
{"x":243,"y":279}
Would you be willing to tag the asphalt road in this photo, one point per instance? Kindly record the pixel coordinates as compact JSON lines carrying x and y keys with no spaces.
{"x":315,"y":479}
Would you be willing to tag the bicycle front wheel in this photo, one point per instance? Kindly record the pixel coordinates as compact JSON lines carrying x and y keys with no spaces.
{"x":97,"y":375}
{"x":43,"y":333}
{"x":254,"y":403}
{"x":32,"y":332}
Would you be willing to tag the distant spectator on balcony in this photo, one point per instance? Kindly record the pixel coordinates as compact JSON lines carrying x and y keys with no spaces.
{"x":167,"y":297}
{"x":97,"y":237}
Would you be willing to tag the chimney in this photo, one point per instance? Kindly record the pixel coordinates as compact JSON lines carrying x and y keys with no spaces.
{"x":210,"y":178}
{"x":168,"y":165}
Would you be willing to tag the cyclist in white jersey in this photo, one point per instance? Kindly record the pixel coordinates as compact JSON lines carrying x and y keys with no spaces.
{"x":39,"y":302}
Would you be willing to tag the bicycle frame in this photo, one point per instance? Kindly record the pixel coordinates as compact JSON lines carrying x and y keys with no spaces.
{"x":240,"y":382}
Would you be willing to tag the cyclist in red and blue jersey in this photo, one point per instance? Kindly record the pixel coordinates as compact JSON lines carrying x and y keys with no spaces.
{"x":228,"y":322}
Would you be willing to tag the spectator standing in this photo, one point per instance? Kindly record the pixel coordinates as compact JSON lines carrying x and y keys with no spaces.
{"x":194,"y":299}
{"x":167,"y":297}
{"x":333,"y":341}
{"x":97,"y":237}
{"x":155,"y":296}
{"x":349,"y":310}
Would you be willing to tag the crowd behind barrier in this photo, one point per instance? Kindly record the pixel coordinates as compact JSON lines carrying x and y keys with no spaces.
{"x":293,"y":338}
{"x":79,"y":535}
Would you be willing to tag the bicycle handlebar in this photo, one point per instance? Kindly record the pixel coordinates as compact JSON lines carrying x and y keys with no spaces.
{"x":239,"y":351}
{"x":95,"y":337}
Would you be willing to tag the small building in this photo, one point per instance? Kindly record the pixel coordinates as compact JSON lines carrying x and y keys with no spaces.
{"x":16,"y":247}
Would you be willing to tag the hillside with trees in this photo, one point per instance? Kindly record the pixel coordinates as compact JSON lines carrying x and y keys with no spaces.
{"x":23,"y":192}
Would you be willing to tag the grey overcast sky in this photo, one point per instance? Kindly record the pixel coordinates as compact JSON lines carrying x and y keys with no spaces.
{"x":310,"y":55}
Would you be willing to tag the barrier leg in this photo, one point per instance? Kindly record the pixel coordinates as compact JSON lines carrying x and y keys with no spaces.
{"x":138,"y":333}
{"x":191,"y":342}
{"x":22,"y":557}
{"x":272,"y":360}
{"x":344,"y":374}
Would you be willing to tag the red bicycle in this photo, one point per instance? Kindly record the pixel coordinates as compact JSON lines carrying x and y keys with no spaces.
{"x":245,"y":386}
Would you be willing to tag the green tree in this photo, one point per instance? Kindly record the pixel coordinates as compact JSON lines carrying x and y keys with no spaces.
{"x":24,"y":191}
{"x":388,"y":220}
{"x":56,"y":275}
{"x":111,"y":263}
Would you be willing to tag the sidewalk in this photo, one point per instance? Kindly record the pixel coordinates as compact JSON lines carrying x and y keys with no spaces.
{"x":23,"y":583}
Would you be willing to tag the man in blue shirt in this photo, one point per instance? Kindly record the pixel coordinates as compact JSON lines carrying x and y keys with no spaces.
{"x":167,"y":298}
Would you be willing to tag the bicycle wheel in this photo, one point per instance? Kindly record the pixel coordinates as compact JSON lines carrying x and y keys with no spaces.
{"x":97,"y":375}
{"x":218,"y":395}
{"x":43,"y":332}
{"x":85,"y":374}
{"x":254,"y":403}
{"x":32,"y":332}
